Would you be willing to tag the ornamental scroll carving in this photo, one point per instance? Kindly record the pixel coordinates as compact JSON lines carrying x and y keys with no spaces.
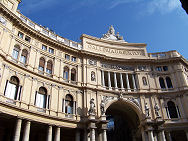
{"x":117,"y":67}
{"x":105,"y":50}
{"x":107,"y":99}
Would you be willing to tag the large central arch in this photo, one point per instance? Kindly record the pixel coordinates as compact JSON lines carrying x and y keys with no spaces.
{"x":124,"y":119}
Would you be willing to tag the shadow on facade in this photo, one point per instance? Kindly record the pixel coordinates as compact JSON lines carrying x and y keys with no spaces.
{"x":123,"y":123}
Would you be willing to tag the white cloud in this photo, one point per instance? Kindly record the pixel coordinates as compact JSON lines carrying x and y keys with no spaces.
{"x":36,"y":5}
{"x":150,"y":6}
{"x":162,"y":6}
{"x":115,"y":3}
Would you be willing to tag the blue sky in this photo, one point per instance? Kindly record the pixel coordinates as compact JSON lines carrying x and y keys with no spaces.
{"x":161,"y":24}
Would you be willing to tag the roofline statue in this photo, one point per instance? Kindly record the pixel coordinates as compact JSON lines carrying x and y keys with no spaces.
{"x":111,"y":35}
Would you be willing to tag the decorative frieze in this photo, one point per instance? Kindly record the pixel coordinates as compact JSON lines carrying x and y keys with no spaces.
{"x":117,"y":67}
{"x":92,"y":62}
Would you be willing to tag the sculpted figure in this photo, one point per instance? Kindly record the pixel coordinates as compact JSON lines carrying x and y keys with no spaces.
{"x":92,"y":107}
{"x":120,"y":97}
{"x":102,"y":106}
{"x":156,"y":107}
{"x":111,"y":30}
{"x":146,"y":110}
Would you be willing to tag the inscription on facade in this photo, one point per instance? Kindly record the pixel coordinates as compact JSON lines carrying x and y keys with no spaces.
{"x":116,"y":51}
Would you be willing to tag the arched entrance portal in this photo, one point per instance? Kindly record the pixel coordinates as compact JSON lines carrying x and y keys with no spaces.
{"x":123,"y":122}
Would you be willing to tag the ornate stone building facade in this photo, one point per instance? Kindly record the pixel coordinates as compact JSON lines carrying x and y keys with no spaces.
{"x":103,"y":89}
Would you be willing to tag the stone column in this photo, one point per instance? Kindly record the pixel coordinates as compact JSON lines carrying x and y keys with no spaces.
{"x":168,"y":136}
{"x":186,"y":132}
{"x":17,"y":130}
{"x":150,"y":135}
{"x":109,"y":81}
{"x":49,"y":133}
{"x":143,"y":135}
{"x":104,"y":135}
{"x":57,"y":134}
{"x":127,"y":80}
{"x":74,"y":109}
{"x":181,"y":109}
{"x":121,"y":81}
{"x":64,"y":105}
{"x":77,"y":135}
{"x":162,"y":136}
{"x":134,"y":82}
{"x":92,"y":134}
{"x":85,"y":135}
{"x":26,"y":131}
{"x":103,"y":81}
{"x":115,"y":81}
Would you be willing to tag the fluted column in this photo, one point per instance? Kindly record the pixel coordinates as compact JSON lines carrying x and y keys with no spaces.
{"x":103,"y":81}
{"x":104,"y":135}
{"x":92,"y":135}
{"x":64,"y":105}
{"x":26,"y":131}
{"x":17,"y":130}
{"x":134,"y":82}
{"x":49,"y":133}
{"x":115,"y":81}
{"x":168,"y":136}
{"x":181,"y":108}
{"x":150,"y":135}
{"x":127,"y":80}
{"x":109,"y":81}
{"x":77,"y":135}
{"x":121,"y":81}
{"x":162,"y":136}
{"x":74,"y":107}
{"x":57,"y":134}
{"x":143,"y":135}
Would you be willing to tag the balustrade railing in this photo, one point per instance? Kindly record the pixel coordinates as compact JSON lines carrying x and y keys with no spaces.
{"x":48,"y":33}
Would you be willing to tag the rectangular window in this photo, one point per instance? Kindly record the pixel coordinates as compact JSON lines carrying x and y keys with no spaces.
{"x":67,"y":57}
{"x":73,"y":59}
{"x":11,"y":91}
{"x":165,"y":68}
{"x":41,"y":68}
{"x":48,"y":71}
{"x":27,"y":38}
{"x":23,"y":59}
{"x":51,"y":50}
{"x":40,"y":100}
{"x":44,"y":47}
{"x":158,"y":68}
{"x":15,"y":53}
{"x":20,"y":34}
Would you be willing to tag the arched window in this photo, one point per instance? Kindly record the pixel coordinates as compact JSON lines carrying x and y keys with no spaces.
{"x":73,"y":75}
{"x":172,"y":110}
{"x":144,"y":81}
{"x":41,"y":64}
{"x":69,"y":104}
{"x":66,"y":73}
{"x":49,"y":67}
{"x":41,"y":98}
{"x":93,"y":76}
{"x":24,"y":54}
{"x":162,"y":83}
{"x":15,"y":52}
{"x":169,"y":82}
{"x":13,"y":89}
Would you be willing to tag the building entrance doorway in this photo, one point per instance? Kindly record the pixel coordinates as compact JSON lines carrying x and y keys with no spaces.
{"x":123,"y":123}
